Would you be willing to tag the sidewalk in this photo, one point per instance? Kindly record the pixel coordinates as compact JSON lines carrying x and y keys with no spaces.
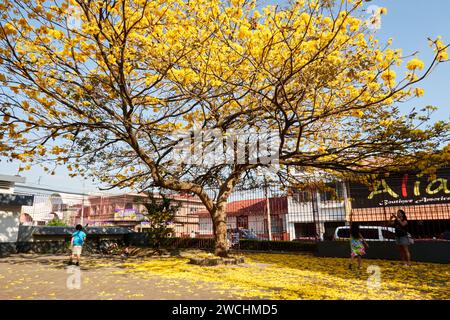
{"x":44,"y":277}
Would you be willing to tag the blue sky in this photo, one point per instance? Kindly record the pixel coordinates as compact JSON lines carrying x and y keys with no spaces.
{"x":408,"y":22}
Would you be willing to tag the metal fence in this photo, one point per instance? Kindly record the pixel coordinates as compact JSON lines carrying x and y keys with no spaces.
{"x":269,"y":212}
{"x":50,"y":206}
{"x":272,"y":213}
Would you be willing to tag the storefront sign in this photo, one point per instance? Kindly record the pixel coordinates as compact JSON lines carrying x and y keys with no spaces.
{"x":125,"y":215}
{"x":404,"y":189}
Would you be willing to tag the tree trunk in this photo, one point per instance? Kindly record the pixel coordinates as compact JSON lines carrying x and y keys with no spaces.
{"x":219,"y":215}
{"x":220,"y":232}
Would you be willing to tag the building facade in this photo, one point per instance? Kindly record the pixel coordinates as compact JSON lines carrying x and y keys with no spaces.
{"x":315,"y":214}
{"x":424,"y":198}
{"x":49,"y":205}
{"x":252,"y":215}
{"x":10,"y":209}
{"x":128,"y":210}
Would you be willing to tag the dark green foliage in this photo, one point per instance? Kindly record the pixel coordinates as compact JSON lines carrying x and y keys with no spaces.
{"x":160,"y":214}
{"x":56,"y":223}
{"x":143,"y":240}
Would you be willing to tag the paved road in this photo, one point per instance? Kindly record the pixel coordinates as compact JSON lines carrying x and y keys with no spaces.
{"x":44,"y":277}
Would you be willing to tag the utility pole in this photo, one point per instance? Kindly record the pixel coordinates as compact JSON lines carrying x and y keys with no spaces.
{"x":267,"y":201}
{"x":269,"y":220}
{"x":82,"y":207}
{"x":316,"y":219}
{"x":347,"y":204}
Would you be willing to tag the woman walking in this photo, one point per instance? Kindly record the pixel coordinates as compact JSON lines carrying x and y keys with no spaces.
{"x":400,"y":223}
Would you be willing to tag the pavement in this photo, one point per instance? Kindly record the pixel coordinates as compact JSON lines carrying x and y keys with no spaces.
{"x":47,"y":277}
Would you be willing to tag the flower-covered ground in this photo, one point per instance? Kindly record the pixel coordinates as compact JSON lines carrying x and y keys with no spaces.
{"x":291,"y":276}
{"x":262,"y":276}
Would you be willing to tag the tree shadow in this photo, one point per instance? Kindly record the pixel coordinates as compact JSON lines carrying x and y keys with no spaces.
{"x":88,"y":262}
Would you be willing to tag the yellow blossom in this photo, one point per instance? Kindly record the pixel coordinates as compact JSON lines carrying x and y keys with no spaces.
{"x":389,"y":77}
{"x":415,"y":64}
{"x":419,"y":92}
{"x":442,"y":56}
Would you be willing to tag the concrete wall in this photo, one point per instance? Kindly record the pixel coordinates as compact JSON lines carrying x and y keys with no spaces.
{"x":39,"y":233}
{"x":302,"y":212}
{"x":55,"y":240}
{"x":9,"y":223}
{"x":421,"y":251}
{"x":7,"y":186}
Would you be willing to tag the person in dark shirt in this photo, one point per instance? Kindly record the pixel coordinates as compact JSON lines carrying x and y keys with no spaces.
{"x":400,"y":223}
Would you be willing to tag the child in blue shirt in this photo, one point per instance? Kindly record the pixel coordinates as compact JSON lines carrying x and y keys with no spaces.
{"x":77,"y":242}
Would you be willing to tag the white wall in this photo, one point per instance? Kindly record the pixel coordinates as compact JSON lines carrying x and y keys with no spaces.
{"x":44,"y":205}
{"x":302,"y":212}
{"x":9,"y":223}
{"x":256,"y":223}
{"x":205,"y":226}
{"x":7,"y":187}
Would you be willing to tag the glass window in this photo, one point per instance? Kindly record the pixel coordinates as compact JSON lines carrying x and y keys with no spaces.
{"x":340,"y":191}
{"x":242,"y":222}
{"x":305,"y":230}
{"x":370,"y":234}
{"x":302,"y":196}
{"x":326,"y":195}
{"x":129,"y":205}
{"x":276,"y":224}
{"x":344,"y":233}
{"x":333,"y":192}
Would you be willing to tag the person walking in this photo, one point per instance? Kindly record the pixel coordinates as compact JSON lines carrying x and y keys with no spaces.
{"x":77,"y":242}
{"x":358,"y":245}
{"x":400,"y":223}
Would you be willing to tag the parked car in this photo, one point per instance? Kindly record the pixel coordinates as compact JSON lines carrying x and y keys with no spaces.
{"x":244,"y":233}
{"x":370,"y":233}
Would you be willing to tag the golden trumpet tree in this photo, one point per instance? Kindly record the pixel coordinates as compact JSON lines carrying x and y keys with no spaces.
{"x":105,"y":86}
